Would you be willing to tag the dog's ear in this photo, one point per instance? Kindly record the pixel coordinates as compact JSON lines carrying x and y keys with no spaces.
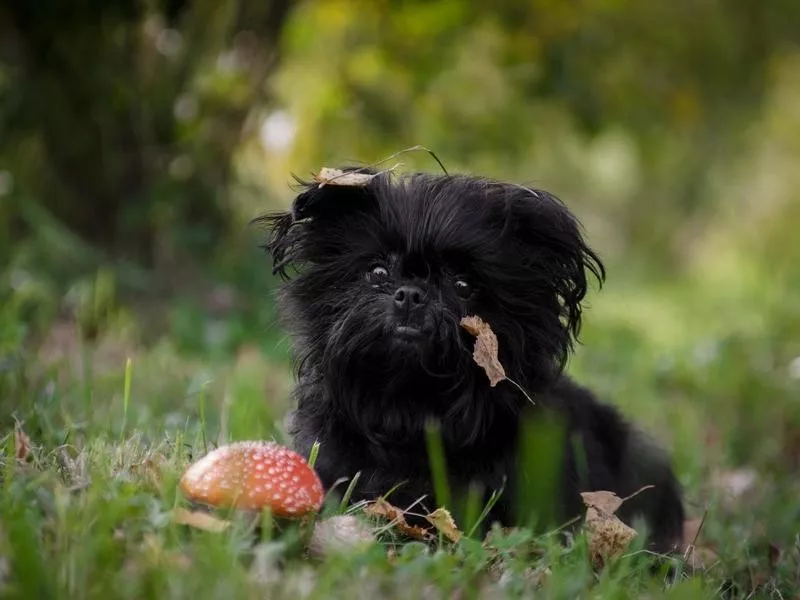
{"x":557,"y":248}
{"x":319,"y":202}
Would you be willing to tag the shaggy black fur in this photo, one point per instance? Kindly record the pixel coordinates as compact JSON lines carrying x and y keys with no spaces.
{"x":382,"y":275}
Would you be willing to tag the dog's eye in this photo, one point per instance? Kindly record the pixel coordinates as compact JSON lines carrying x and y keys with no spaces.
{"x":377,"y":274}
{"x":463,"y":288}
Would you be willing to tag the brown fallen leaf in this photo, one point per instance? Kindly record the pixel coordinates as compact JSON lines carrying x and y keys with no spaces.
{"x":328,"y":176}
{"x":396,"y":517}
{"x":199,"y":520}
{"x":608,"y":537}
{"x":602,"y":502}
{"x":22,"y":444}
{"x":486,"y":348}
{"x":442,"y":520}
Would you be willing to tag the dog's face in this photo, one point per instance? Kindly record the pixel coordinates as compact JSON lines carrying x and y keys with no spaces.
{"x":385,"y":272}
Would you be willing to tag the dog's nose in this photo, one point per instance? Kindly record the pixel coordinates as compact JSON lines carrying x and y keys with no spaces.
{"x":408,"y":297}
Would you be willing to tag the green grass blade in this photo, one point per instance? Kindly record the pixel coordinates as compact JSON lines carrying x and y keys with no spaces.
{"x":348,"y":493}
{"x":438,"y":465}
{"x":126,"y":396}
{"x":541,"y":454}
{"x":312,"y":456}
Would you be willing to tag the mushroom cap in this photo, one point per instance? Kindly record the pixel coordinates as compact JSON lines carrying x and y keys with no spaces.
{"x":254,"y":475}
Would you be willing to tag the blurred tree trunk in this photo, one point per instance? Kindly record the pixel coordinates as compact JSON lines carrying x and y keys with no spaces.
{"x":132,"y":120}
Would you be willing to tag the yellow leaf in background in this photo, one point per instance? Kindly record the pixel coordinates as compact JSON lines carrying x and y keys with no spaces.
{"x":443,"y":521}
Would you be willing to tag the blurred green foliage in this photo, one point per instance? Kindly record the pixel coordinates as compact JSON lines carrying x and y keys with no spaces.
{"x":624,"y":108}
{"x":135,"y":125}
{"x":121,"y":119}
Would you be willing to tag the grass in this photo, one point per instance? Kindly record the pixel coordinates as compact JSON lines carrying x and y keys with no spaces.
{"x":113,"y":419}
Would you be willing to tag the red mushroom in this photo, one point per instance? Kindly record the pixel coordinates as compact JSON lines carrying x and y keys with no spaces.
{"x":254,"y":476}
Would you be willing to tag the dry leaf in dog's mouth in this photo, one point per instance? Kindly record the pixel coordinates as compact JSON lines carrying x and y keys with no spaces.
{"x":486,"y":348}
{"x":328,"y":176}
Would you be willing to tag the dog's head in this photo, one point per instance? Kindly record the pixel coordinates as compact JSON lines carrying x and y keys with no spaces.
{"x":381,"y":274}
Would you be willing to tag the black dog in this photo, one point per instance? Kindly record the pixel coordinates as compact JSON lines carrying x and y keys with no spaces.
{"x":384,"y":272}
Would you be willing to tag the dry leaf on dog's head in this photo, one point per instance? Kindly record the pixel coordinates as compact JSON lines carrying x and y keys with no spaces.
{"x":486,"y":348}
{"x":328,"y":176}
{"x":443,"y":521}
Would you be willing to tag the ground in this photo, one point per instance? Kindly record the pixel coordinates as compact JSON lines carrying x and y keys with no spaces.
{"x":100,"y":421}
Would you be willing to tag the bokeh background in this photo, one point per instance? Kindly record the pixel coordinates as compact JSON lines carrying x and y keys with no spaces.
{"x":139,"y":139}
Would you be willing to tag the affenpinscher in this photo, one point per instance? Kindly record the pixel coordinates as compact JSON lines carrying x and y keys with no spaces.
{"x":379,"y":275}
